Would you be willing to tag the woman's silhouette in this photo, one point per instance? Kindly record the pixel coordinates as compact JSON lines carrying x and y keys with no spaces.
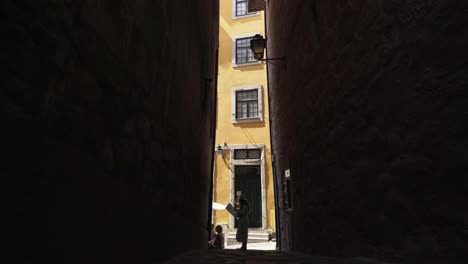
{"x":243,"y":224}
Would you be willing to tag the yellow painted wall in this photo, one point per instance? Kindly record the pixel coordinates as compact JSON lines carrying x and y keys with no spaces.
{"x":241,"y":133}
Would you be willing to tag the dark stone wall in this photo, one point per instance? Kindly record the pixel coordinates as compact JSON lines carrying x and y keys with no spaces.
{"x":107,"y":112}
{"x":370,"y":112}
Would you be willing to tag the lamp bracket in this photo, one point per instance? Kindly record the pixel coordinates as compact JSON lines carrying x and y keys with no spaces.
{"x":268,"y":59}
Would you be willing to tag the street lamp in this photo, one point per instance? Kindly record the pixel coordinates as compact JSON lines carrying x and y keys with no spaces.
{"x":257,"y":45}
{"x":220,"y":149}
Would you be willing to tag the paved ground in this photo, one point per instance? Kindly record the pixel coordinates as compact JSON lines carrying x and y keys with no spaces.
{"x":258,"y":246}
{"x":232,"y":256}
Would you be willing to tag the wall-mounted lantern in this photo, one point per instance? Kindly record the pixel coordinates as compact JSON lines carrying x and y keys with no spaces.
{"x":258,"y":45}
{"x":220,"y":149}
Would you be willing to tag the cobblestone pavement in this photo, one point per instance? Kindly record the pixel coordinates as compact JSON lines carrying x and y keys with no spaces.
{"x":232,"y":256}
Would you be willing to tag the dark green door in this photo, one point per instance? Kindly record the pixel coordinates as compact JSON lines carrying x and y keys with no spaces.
{"x":247,"y":181}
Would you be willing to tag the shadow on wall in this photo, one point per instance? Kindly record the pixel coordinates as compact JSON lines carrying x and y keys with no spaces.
{"x":95,"y":161}
{"x":375,"y":110}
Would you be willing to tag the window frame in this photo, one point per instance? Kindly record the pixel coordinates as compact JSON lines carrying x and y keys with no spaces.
{"x":234,"y":11}
{"x":234,"y":51}
{"x":248,"y":103}
{"x":247,"y":153}
{"x":234,"y":91}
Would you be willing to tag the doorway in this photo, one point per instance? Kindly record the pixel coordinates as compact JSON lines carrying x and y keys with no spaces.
{"x":248,"y":183}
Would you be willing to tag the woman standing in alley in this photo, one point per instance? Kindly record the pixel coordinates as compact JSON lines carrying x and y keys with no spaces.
{"x":243,"y":225}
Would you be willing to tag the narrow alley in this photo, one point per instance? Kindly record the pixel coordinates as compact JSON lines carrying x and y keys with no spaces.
{"x":336,"y":128}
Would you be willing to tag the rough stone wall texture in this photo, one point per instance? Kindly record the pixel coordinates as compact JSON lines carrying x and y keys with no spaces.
{"x":107,"y":114}
{"x":370,"y":111}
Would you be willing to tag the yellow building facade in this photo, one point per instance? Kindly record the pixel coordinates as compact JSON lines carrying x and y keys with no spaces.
{"x":242,"y":165}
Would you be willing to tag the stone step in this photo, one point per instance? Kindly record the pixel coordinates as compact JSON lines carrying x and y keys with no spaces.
{"x":255,"y":236}
{"x":254,"y":231}
{"x":233,"y":241}
{"x":251,"y":235}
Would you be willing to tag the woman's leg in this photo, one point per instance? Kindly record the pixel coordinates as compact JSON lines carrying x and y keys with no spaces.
{"x":244,"y":245}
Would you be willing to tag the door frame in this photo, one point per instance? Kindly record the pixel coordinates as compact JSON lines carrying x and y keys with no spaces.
{"x":247,"y":162}
{"x":253,"y":177}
